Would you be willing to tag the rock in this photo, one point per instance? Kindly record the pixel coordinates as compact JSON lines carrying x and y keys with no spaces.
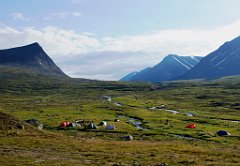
{"x":9,"y":122}
{"x":35,"y":122}
{"x":20,"y":126}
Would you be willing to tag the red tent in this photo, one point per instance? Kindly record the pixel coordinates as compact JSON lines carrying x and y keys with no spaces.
{"x":191,"y":126}
{"x":65,"y":124}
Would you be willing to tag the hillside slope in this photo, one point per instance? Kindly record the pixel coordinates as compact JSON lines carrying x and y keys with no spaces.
{"x":32,"y":58}
{"x":222,"y":62}
{"x":170,"y":67}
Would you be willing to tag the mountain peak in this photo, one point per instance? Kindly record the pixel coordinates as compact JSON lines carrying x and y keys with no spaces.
{"x":171,"y":66}
{"x":222,"y":62}
{"x":171,"y":56}
{"x":35,"y":44}
{"x":30,"y":57}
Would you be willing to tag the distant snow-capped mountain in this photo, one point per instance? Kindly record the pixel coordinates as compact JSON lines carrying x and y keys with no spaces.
{"x":170,"y":67}
{"x":225,"y":61}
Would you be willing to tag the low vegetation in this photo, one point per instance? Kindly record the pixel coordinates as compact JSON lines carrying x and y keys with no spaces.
{"x":162,"y":138}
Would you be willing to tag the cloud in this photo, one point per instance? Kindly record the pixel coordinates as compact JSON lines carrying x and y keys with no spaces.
{"x":57,"y":42}
{"x":180,"y":41}
{"x":61,"y":15}
{"x":19,"y":16}
{"x":109,"y":58}
{"x":106,"y":65}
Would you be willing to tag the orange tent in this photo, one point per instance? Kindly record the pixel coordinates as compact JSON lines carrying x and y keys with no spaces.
{"x":191,"y":126}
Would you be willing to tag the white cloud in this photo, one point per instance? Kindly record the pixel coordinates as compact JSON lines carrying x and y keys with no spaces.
{"x":19,"y":16}
{"x":57,"y":42}
{"x":198,"y":42}
{"x":109,"y":58}
{"x":106,"y":65}
{"x":61,"y":15}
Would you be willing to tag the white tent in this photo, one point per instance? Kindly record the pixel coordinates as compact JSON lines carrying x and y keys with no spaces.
{"x":103,"y":123}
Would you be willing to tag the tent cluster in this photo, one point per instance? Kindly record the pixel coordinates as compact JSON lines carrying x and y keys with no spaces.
{"x":87,"y":125}
{"x":75,"y":124}
{"x":103,"y":123}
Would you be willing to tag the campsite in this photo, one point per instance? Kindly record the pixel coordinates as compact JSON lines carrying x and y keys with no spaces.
{"x":132,"y":134}
{"x":120,"y":83}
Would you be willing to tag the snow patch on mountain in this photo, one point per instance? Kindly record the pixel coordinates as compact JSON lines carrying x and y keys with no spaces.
{"x":182,"y":63}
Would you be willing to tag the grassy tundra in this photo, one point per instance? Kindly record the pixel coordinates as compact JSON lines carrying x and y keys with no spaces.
{"x":161,"y":139}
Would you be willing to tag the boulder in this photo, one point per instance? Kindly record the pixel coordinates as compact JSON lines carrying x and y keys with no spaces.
{"x":35,"y":122}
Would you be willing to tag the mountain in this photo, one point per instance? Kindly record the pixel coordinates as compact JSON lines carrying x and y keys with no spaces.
{"x":30,"y":58}
{"x":140,"y":74}
{"x":129,"y":76}
{"x":170,"y":67}
{"x":135,"y":75}
{"x":222,"y":62}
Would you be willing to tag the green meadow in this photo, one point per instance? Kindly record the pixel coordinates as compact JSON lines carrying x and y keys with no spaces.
{"x":161,"y":138}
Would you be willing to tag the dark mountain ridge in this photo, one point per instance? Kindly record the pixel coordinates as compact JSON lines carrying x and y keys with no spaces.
{"x":222,"y":62}
{"x":30,"y":58}
{"x":170,"y":67}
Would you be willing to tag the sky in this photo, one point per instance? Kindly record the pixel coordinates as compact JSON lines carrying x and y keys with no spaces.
{"x":107,"y":39}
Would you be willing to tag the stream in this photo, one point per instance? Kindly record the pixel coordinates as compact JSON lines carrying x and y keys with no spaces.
{"x":135,"y":122}
{"x":172,"y":111}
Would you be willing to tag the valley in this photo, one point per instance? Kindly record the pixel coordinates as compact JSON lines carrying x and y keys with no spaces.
{"x":162,"y":137}
{"x":120,"y":83}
